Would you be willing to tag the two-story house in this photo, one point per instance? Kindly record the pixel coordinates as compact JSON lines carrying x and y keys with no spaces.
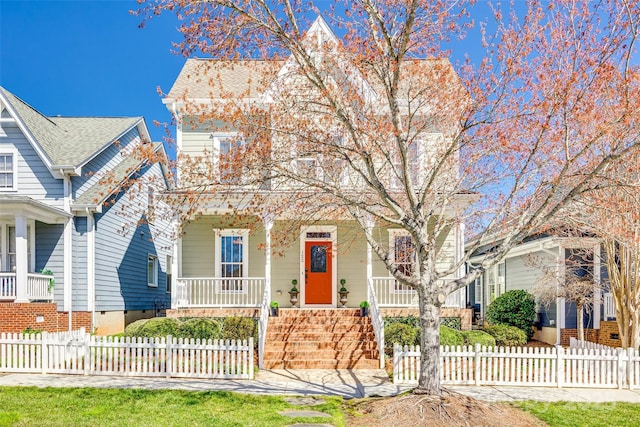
{"x":75,"y":248}
{"x":230,"y":264}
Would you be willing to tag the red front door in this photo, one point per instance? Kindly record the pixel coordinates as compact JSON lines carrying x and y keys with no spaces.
{"x":318,"y":274}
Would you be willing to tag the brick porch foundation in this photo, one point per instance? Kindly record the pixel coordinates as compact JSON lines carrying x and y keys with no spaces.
{"x":16,"y":317}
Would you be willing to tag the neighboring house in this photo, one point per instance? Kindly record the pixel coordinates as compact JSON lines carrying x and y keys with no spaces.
{"x":537,"y":261}
{"x":223,"y":270}
{"x":59,"y":215}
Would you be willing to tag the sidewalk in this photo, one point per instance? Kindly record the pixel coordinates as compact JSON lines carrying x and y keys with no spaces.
{"x":346,"y":383}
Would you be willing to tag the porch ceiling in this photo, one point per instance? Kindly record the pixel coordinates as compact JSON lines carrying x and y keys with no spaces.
{"x":13,"y":205}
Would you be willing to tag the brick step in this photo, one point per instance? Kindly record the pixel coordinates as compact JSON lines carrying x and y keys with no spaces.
{"x":327,"y":354}
{"x":340,"y":327}
{"x":316,"y":312}
{"x":301,"y":336}
{"x":323,"y":364}
{"x":321,"y":345}
{"x":319,"y":318}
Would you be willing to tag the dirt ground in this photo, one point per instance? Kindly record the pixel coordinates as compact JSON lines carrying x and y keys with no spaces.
{"x":453,"y":409}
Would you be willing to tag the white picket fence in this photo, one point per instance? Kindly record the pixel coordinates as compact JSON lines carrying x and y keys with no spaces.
{"x":576,"y":343}
{"x":524,"y":366}
{"x":81,"y":353}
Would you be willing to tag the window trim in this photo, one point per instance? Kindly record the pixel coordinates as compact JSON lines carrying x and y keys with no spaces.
{"x":226,"y":232}
{"x":153,"y":283}
{"x":14,"y":172}
{"x":393,"y":234}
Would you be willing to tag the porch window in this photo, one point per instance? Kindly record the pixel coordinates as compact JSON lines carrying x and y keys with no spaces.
{"x":8,"y":171}
{"x":232,"y":259}
{"x":403,"y":252}
{"x":152,"y":271}
{"x":11,"y":248}
{"x":227,"y":161}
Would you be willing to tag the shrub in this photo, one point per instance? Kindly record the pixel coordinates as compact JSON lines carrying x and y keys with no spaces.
{"x":400,"y":333}
{"x":507,"y":336}
{"x":478,"y":337}
{"x":155,"y":327}
{"x":200,"y":327}
{"x":451,"y":322}
{"x":239,"y":328}
{"x":516,"y":308}
{"x":412,"y":321}
{"x":450,"y":337}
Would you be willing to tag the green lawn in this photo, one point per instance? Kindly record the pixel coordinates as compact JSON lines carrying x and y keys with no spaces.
{"x":29,"y":406}
{"x":564,"y":414}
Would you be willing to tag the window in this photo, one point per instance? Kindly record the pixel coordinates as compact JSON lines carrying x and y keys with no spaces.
{"x":413,"y":162}
{"x":227,"y":161}
{"x":496,"y":281}
{"x":478,"y":290}
{"x":11,"y":248}
{"x":231,"y":255}
{"x":404,"y":256}
{"x":152,"y":271}
{"x":169,"y":275}
{"x":7,"y":171}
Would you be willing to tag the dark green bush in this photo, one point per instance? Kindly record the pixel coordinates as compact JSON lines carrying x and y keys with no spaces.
{"x":239,"y":328}
{"x":400,"y":333}
{"x":200,"y":327}
{"x":451,"y":322}
{"x":412,"y":321}
{"x":478,"y":337}
{"x":155,"y":327}
{"x":507,"y":336}
{"x":450,"y":337}
{"x":516,"y":308}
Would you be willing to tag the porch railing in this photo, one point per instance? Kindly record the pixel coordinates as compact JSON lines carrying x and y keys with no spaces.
{"x":609,"y":308}
{"x":391,"y":293}
{"x":219,"y":291}
{"x":38,"y":287}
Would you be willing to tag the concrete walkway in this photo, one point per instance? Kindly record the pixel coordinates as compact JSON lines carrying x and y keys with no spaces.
{"x":344,"y":382}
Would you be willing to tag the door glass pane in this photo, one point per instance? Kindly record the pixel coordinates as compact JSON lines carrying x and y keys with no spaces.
{"x":318,"y":259}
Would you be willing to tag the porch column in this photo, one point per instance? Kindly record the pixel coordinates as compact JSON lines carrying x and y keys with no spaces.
{"x":597,"y":291}
{"x":22,"y":259}
{"x":91,"y":264}
{"x":268,"y":225}
{"x":68,"y":253}
{"x":176,"y":264}
{"x":369,"y":231}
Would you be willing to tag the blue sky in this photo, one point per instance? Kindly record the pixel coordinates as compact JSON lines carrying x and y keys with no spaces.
{"x":87,"y":58}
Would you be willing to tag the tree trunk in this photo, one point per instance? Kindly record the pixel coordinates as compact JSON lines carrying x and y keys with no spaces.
{"x":429,"y":380}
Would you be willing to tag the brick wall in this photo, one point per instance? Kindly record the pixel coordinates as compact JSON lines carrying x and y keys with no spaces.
{"x":606,"y":329}
{"x":16,"y":317}
{"x":589,"y":335}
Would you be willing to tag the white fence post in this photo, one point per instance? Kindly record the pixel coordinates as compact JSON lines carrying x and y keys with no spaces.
{"x":87,"y":353}
{"x":476,"y":364}
{"x":560,"y":365}
{"x":622,"y":370}
{"x":45,"y":352}
{"x":250,"y":358}
{"x":169,"y":357}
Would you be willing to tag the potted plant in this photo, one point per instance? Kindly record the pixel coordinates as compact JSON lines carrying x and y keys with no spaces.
{"x":293,"y":293}
{"x":343,"y":293}
{"x":274,"y":308}
{"x":364,"y":308}
{"x":52,"y":281}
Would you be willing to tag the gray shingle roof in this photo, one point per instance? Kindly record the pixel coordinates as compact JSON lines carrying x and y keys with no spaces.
{"x":101,"y":190}
{"x":70,"y":141}
{"x":210,"y":78}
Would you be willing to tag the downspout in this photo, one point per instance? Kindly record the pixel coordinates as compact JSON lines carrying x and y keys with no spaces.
{"x":91,"y":263}
{"x":68,"y":250}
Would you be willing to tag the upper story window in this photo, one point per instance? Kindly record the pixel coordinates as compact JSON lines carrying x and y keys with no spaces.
{"x":8,"y":172}
{"x":228,"y":162}
{"x":412,"y":163}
